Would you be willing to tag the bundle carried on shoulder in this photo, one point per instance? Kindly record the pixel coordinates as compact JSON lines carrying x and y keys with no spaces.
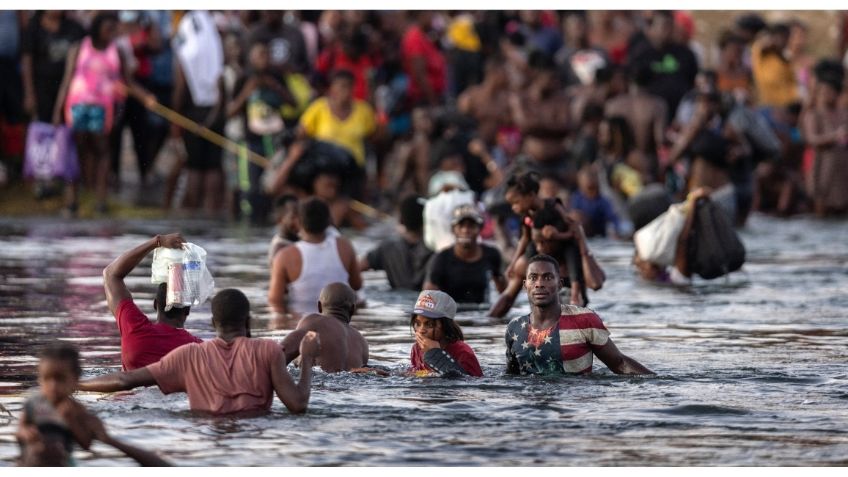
{"x":657,"y":241}
{"x":714,"y":247}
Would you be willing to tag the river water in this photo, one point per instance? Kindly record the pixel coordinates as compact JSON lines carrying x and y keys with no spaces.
{"x":751,"y":370}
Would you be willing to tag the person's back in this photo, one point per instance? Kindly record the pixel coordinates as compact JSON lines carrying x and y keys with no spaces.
{"x":344,"y":347}
{"x":221,"y":377}
{"x":321,"y":264}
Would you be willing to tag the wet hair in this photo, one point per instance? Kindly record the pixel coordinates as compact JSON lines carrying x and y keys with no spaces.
{"x":64,"y":352}
{"x":342,"y":75}
{"x":230,"y":309}
{"x":314,"y":215}
{"x":97,"y":23}
{"x":543,"y":258}
{"x":830,"y":72}
{"x":174,"y":313}
{"x":412,"y":213}
{"x":548,"y":216}
{"x":524,"y":184}
{"x":451,"y":330}
{"x":284,"y":200}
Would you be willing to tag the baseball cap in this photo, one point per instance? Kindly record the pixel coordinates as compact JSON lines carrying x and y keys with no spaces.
{"x":435,"y":304}
{"x":466,"y":211}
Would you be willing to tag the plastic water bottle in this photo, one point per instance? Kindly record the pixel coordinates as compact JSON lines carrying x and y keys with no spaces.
{"x":191,"y":281}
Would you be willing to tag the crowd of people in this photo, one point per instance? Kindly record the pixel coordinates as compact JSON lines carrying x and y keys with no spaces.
{"x":357,"y":106}
{"x":506,"y":139}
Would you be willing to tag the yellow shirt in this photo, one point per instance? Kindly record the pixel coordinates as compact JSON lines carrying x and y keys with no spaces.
{"x":319,"y":122}
{"x":773,"y":77}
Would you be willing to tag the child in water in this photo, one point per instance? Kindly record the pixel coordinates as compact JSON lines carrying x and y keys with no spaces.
{"x":52,"y":420}
{"x":439,"y":345}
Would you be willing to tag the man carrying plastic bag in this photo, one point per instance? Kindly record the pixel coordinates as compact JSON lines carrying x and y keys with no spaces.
{"x":144,"y":342}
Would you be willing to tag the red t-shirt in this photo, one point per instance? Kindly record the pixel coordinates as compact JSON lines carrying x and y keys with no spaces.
{"x":334,"y":59}
{"x":414,"y":44}
{"x":144,"y":342}
{"x":459,"y":351}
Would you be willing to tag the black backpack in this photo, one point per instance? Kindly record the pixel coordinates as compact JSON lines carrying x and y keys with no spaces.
{"x":714,"y":247}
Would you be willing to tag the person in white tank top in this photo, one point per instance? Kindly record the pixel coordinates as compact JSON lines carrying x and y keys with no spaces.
{"x":299,"y":271}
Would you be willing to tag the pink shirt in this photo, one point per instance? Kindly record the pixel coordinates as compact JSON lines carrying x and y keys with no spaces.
{"x":95,"y":79}
{"x":221,"y":377}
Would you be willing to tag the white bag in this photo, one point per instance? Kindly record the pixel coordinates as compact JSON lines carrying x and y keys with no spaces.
{"x":438,"y":212}
{"x":189,"y":281}
{"x":657,"y":241}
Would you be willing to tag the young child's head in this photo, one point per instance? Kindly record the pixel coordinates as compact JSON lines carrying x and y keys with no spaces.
{"x":327,"y":185}
{"x":58,"y":371}
{"x":258,"y":57}
{"x":521,"y":192}
{"x":433,"y":317}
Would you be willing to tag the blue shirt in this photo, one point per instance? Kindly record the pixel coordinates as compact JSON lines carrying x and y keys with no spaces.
{"x":598,"y":211}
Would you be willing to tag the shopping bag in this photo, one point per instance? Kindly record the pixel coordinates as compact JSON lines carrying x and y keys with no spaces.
{"x":657,"y":241}
{"x":50,"y":153}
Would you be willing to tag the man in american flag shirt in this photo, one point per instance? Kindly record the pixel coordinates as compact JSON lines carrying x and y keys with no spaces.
{"x":559,"y":339}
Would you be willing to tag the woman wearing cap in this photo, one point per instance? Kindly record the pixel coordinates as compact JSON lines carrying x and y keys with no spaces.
{"x":463,"y":270}
{"x":439,"y":345}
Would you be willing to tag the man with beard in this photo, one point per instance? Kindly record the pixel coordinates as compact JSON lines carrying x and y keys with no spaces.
{"x":556,"y":338}
{"x":463,"y":270}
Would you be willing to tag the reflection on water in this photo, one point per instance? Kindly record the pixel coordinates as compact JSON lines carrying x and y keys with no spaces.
{"x":752,"y":370}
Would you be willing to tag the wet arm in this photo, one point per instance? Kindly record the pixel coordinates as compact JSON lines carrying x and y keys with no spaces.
{"x":119,"y":381}
{"x":278,"y":283}
{"x":523,"y":242}
{"x":294,"y":396}
{"x":144,"y":458}
{"x":291,"y":344}
{"x":115,"y":272}
{"x":618,"y":362}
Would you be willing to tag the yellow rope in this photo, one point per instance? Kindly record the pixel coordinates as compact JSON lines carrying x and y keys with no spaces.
{"x":231,"y":146}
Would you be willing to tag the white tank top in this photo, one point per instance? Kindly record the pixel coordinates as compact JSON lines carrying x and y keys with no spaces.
{"x":321,"y":265}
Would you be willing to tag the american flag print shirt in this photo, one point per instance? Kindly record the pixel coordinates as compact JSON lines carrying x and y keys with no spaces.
{"x":566,"y":347}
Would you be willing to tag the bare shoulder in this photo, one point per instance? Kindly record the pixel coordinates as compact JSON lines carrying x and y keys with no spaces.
{"x":310,"y":322}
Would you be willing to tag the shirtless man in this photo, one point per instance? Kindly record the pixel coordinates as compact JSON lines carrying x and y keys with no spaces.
{"x":488,"y":102}
{"x":541,"y":113}
{"x":645,"y":113}
{"x":344,"y":347}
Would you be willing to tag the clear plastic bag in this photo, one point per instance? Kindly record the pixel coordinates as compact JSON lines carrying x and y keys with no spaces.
{"x":189,"y":281}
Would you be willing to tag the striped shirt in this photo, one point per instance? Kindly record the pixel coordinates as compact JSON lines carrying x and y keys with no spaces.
{"x":566,"y":347}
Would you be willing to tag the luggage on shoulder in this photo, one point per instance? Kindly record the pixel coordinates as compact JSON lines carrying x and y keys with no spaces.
{"x":714,"y":246}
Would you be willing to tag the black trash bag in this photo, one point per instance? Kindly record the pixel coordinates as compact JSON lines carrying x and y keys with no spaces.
{"x":714,"y":246}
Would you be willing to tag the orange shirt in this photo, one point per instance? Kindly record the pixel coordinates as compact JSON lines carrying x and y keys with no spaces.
{"x":221,"y":377}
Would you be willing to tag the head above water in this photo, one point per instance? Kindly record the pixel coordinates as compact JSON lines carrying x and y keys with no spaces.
{"x":339,"y":299}
{"x":314,"y":216}
{"x":288,"y":220}
{"x":175,"y":316}
{"x":433,"y":316}
{"x":521,"y":191}
{"x":58,"y":371}
{"x":412,"y":213}
{"x":231,"y":312}
{"x":542,"y":281}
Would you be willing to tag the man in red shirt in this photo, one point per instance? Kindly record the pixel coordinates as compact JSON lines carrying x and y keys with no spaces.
{"x":423,"y":62}
{"x":232,"y":373}
{"x":144,"y":342}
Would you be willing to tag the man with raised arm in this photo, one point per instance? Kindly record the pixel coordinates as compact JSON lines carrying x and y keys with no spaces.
{"x":229,"y":374}
{"x":144,"y":342}
{"x":555,"y":339}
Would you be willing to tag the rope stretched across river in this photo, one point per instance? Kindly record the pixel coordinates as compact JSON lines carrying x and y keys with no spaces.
{"x":229,"y":145}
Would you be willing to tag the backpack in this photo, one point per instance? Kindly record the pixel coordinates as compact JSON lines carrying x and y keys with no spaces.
{"x":714,"y":247}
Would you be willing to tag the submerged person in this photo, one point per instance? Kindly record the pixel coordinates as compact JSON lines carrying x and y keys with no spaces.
{"x":144,"y":342}
{"x":344,"y":348}
{"x":554,"y":338}
{"x":230,"y":374}
{"x":52,"y":420}
{"x":463,"y":270}
{"x":404,"y":257}
{"x":439,"y":346}
{"x":300,"y":270}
